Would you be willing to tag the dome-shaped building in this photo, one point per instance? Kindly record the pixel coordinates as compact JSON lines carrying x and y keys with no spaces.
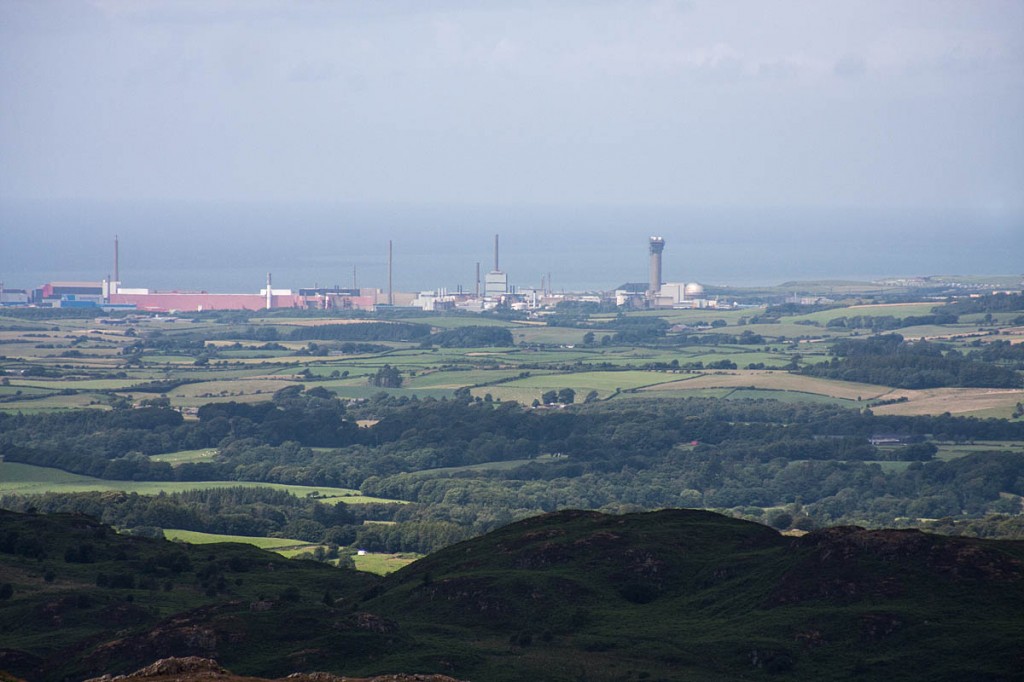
{"x":694,"y":290}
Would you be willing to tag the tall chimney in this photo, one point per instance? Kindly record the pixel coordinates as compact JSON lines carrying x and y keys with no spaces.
{"x":270,"y":299}
{"x":496,"y":268}
{"x":478,"y":279}
{"x":117,"y":275}
{"x":391,"y":291}
{"x":657,"y":245}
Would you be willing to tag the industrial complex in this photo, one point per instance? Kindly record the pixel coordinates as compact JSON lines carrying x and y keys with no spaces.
{"x":493,"y":291}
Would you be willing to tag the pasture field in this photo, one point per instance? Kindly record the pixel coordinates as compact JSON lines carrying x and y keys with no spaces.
{"x":894,"y":309}
{"x":789,"y":330}
{"x":365,"y":391}
{"x":456,"y":321}
{"x":57,"y":402}
{"x":775,"y":381}
{"x":552,"y":335}
{"x":15,"y":390}
{"x":946,"y":332}
{"x":788,"y":396}
{"x":948,"y":450}
{"x":371,"y":562}
{"x":605,"y":383}
{"x":983,"y":402}
{"x":184,"y":456}
{"x":457,"y":379}
{"x":79,"y":384}
{"x":234,"y":387}
{"x":692,"y":316}
{"x":744,"y":394}
{"x":26,"y":479}
{"x":504,"y":465}
{"x":193,"y":537}
{"x":382,"y":564}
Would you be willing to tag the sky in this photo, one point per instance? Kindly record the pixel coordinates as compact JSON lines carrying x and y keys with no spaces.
{"x":894,"y":104}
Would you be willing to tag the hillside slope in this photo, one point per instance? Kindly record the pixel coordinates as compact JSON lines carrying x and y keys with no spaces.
{"x":683,"y":594}
{"x":674,"y":595}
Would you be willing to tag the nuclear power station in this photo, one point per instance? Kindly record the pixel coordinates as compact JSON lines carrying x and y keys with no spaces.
{"x":658,"y":294}
{"x":490,"y":291}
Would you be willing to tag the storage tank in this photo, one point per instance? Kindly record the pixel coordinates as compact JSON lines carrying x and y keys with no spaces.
{"x":694,"y":290}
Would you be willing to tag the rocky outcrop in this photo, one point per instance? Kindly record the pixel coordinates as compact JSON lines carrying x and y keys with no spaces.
{"x":197,"y":669}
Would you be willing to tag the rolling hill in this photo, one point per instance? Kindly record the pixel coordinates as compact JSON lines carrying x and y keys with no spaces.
{"x":672,"y":595}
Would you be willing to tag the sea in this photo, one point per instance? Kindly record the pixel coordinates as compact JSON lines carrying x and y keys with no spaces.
{"x":227,"y":247}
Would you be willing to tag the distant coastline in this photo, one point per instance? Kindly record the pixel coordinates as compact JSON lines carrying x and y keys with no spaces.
{"x":229,"y":248}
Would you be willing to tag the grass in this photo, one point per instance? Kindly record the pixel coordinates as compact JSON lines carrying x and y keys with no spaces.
{"x":948,"y":450}
{"x":981,"y":402}
{"x":775,"y":381}
{"x":896,"y":310}
{"x":184,"y":456}
{"x":454,"y":322}
{"x":605,"y":382}
{"x":383,"y":564}
{"x":193,"y":537}
{"x":371,"y":562}
{"x":57,"y":402}
{"x":456,"y":379}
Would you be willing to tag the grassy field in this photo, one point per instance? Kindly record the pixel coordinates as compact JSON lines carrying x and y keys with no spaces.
{"x":184,"y":456}
{"x":382,"y":564}
{"x":456,"y":379}
{"x":193,"y":537}
{"x":371,"y":562}
{"x":980,"y":402}
{"x":57,"y":402}
{"x":949,"y":450}
{"x":26,"y":479}
{"x":894,"y":309}
{"x":775,"y":381}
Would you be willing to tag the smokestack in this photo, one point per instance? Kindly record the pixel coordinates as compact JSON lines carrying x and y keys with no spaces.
{"x":496,"y":268}
{"x":117,"y":275}
{"x":478,"y":279}
{"x":391,"y":291}
{"x":657,"y":245}
{"x":270,"y":300}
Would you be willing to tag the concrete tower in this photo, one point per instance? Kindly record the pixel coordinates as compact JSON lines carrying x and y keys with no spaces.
{"x":496,"y":281}
{"x":657,"y":246}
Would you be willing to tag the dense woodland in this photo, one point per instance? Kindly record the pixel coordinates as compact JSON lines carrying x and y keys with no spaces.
{"x":889,"y":360}
{"x":813,"y":461}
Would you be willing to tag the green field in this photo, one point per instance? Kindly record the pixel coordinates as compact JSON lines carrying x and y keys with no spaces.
{"x":196,"y":538}
{"x":895,"y":310}
{"x":370,"y":562}
{"x":183,"y":456}
{"x":382,"y":564}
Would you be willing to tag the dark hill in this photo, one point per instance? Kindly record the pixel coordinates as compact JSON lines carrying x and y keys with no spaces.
{"x":684,"y":594}
{"x":675,"y":595}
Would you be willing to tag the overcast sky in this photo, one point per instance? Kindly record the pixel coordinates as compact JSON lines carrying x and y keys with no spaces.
{"x":704,"y":103}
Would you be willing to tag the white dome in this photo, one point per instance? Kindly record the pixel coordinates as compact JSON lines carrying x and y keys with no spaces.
{"x":694,"y":290}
